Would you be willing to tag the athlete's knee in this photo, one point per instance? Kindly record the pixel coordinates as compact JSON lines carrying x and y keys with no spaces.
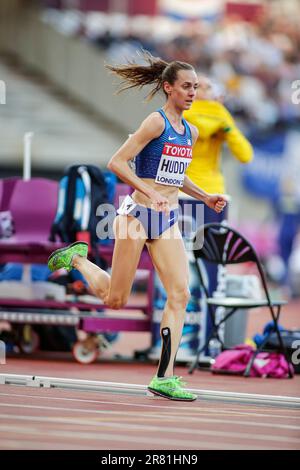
{"x":179,"y":297}
{"x":116,"y":301}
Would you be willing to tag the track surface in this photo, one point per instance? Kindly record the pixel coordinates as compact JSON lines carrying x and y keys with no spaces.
{"x":34,"y":418}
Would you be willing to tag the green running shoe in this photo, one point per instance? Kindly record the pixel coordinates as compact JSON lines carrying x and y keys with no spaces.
{"x":62,"y":258}
{"x":171,"y":388}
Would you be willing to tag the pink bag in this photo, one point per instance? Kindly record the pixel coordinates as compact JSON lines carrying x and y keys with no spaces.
{"x":265,"y":364}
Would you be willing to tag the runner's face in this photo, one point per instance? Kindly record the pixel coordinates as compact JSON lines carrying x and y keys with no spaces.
{"x":183,"y":91}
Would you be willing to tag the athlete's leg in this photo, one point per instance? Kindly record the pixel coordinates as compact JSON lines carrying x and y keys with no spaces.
{"x":130,"y":239}
{"x":114,"y":289}
{"x":170,"y":261}
{"x":97,"y":279}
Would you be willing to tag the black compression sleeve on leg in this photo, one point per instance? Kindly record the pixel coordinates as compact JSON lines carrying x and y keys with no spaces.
{"x":165,"y":353}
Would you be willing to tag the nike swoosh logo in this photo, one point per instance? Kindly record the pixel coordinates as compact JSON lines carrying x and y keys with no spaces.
{"x":171,"y":220}
{"x":172,"y":138}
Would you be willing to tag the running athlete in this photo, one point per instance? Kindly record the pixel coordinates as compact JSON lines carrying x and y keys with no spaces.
{"x":163,"y":149}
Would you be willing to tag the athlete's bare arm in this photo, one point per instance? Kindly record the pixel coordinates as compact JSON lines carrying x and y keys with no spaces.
{"x":216,"y":202}
{"x":150,"y":129}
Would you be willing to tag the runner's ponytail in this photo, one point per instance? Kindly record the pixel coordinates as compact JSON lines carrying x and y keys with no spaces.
{"x":157,"y":71}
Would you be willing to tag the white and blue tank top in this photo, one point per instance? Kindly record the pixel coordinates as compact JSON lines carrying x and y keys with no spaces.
{"x":166,"y":158}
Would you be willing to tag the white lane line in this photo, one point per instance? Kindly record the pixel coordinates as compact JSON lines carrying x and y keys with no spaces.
{"x":135,"y":389}
{"x":193,"y":409}
{"x":155,"y":429}
{"x":169,"y":416}
{"x":186,"y":409}
{"x":148,"y":441}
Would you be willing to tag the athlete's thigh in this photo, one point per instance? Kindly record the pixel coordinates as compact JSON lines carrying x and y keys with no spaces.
{"x":169,"y":257}
{"x":130,"y":239}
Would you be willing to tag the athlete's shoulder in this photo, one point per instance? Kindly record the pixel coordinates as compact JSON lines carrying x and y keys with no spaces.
{"x":216,"y":109}
{"x":154,"y":119}
{"x":206,"y":106}
{"x":154,"y":124}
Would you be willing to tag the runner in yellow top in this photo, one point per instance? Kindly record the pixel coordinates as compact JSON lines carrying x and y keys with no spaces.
{"x":215,"y":126}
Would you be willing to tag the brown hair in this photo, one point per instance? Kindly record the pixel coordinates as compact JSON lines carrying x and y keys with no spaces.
{"x":157,"y":72}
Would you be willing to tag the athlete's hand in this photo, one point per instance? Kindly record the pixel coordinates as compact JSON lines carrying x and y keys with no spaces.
{"x":159,"y":202}
{"x":217,"y":202}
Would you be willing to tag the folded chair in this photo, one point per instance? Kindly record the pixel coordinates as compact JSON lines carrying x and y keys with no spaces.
{"x":32,"y":205}
{"x":220,"y":244}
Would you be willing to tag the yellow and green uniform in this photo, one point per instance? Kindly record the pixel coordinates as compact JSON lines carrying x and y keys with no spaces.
{"x":216,"y":126}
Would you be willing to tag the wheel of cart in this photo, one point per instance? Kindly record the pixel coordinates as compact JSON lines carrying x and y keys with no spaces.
{"x":87,"y":350}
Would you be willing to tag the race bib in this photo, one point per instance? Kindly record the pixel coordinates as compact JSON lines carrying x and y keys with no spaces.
{"x":173,"y":164}
{"x":127,"y":206}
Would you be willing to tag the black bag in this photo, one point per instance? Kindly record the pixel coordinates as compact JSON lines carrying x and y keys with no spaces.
{"x":81,"y":190}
